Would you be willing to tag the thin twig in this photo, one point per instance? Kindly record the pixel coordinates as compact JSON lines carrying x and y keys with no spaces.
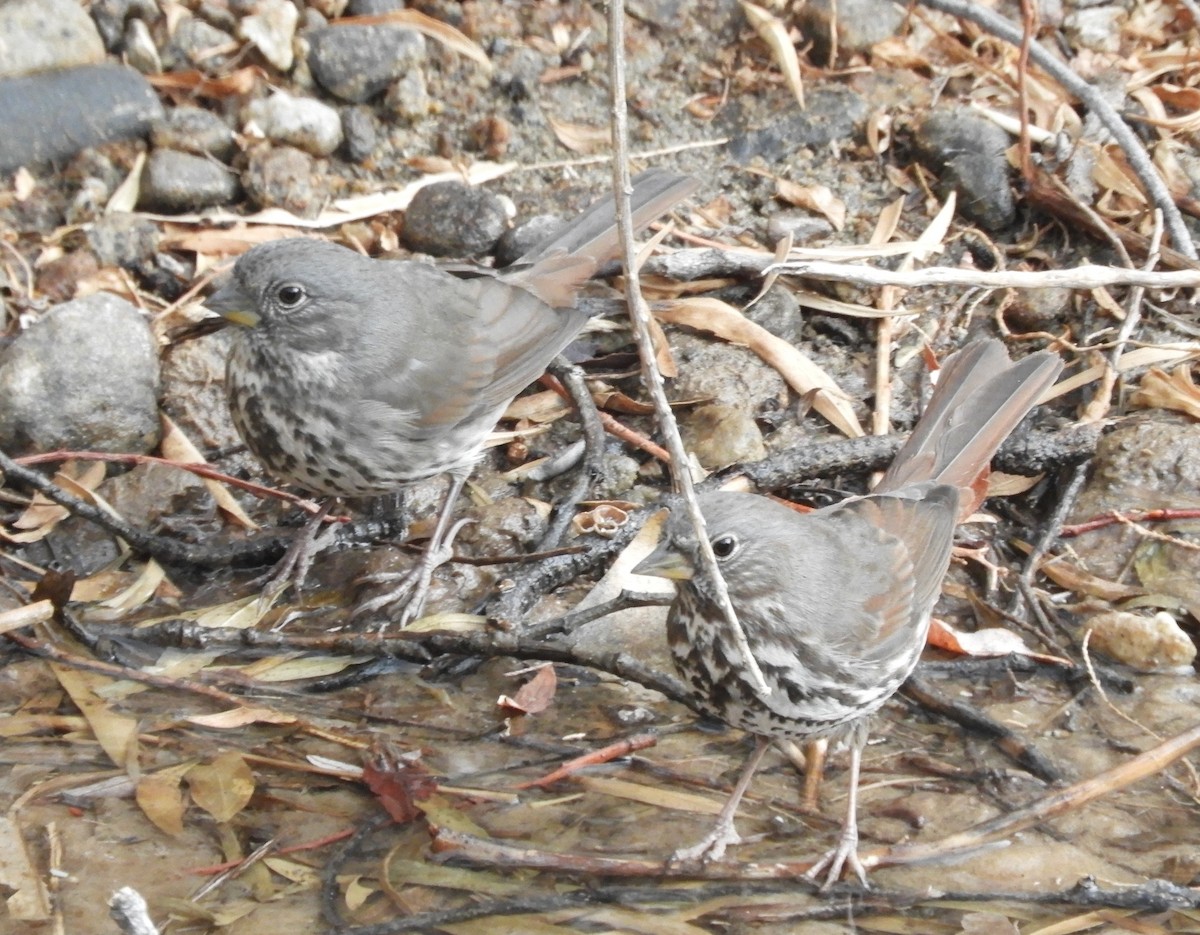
{"x":639,"y":314}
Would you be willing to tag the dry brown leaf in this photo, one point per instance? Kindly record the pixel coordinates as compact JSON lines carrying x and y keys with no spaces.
{"x":545,"y":406}
{"x":116,"y":733}
{"x":1177,"y":391}
{"x":1070,"y":576}
{"x":579,"y":137}
{"x":223,"y":787}
{"x":879,"y":132}
{"x":534,"y":696}
{"x":992,"y":641}
{"x":125,"y":198}
{"x":288,"y":669}
{"x":240,"y":717}
{"x":612,"y":399}
{"x":27,"y":898}
{"x":178,"y":447}
{"x":1140,"y":357}
{"x":42,"y":514}
{"x":795,"y":367}
{"x":160,"y":797}
{"x":651,"y":795}
{"x":235,"y":84}
{"x":888,"y":222}
{"x":774,"y":33}
{"x":816,"y":198}
{"x":100,"y":586}
{"x":1112,"y":172}
{"x":142,"y":589}
{"x":897,"y":52}
{"x":441,"y":32}
{"x":224,"y":241}
{"x":1000,"y":484}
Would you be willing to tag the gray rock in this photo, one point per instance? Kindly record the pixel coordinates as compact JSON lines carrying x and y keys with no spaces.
{"x":175,"y":181}
{"x":112,"y":18}
{"x":193,"y":377}
{"x":779,"y":312}
{"x":1097,"y":28}
{"x":453,"y":219}
{"x":193,"y":130}
{"x":192,"y":46}
{"x":124,"y":240}
{"x":968,"y":153}
{"x":84,"y":376}
{"x":802,"y":227}
{"x":140,"y":50}
{"x":53,"y":115}
{"x":721,"y":435}
{"x":356,"y":63}
{"x":519,"y":240}
{"x":832,"y":114}
{"x":271,"y":29}
{"x":1039,"y":309}
{"x":36,"y":35}
{"x":723,"y":373}
{"x":359,"y":132}
{"x":372,"y":7}
{"x":283,"y":177}
{"x":408,"y":97}
{"x":860,"y":24}
{"x":302,"y":122}
{"x":1150,"y":461}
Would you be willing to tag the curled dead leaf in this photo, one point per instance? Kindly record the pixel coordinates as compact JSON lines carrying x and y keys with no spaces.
{"x":1177,"y":391}
{"x":580,"y":137}
{"x":534,"y":696}
{"x":818,"y":199}
{"x":774,"y":33}
{"x":604,"y":520}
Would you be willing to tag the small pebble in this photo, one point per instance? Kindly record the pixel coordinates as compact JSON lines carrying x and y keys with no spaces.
{"x":176,"y":181}
{"x":283,"y":177}
{"x":302,"y":122}
{"x":453,"y":219}
{"x":357,"y":63}
{"x":1145,"y":643}
{"x":193,"y":130}
{"x":271,"y":29}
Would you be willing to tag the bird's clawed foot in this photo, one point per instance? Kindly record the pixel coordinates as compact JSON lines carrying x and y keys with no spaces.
{"x":412,"y":588}
{"x":708,"y":850}
{"x":842,"y":856}
{"x":293,"y":568}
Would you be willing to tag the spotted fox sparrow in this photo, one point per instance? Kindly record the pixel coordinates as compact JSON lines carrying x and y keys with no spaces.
{"x":354,"y":376}
{"x":835,"y":604}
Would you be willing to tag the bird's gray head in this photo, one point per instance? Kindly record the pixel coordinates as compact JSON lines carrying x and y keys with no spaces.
{"x":746,"y":532}
{"x":292,"y":290}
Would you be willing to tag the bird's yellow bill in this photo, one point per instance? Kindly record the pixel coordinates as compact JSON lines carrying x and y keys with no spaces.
{"x":243,"y":317}
{"x":665,"y":563}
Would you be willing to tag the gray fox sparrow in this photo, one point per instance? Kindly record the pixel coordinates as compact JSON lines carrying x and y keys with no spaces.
{"x":835,"y":604}
{"x":354,"y":376}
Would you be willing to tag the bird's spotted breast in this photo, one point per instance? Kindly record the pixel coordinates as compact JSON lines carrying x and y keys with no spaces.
{"x":805,"y":701}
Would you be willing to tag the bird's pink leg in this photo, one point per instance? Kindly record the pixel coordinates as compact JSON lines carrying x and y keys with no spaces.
{"x":712,"y":847}
{"x":845,"y":853}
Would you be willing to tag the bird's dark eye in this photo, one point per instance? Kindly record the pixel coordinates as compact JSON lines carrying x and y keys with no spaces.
{"x":724,"y":546}
{"x":290,"y":295}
